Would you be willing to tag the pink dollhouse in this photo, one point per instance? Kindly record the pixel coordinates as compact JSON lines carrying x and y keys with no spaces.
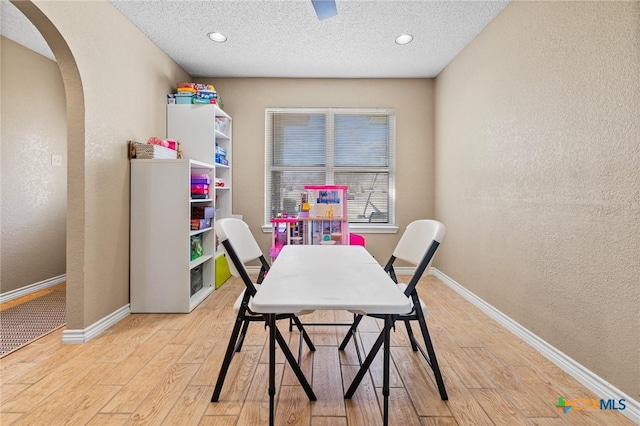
{"x":322,"y":220}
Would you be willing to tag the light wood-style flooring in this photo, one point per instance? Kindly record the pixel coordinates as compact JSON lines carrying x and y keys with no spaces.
{"x":161,"y":368}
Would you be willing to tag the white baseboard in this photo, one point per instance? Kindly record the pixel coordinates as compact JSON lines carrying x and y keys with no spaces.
{"x":404,"y":270}
{"x":589,"y":379}
{"x":31,"y":288}
{"x":75,"y":337}
{"x":69,"y":336}
{"x":253,"y":269}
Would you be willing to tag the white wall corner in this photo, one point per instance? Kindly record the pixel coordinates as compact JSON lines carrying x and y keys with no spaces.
{"x":589,"y":379}
{"x":74,"y":337}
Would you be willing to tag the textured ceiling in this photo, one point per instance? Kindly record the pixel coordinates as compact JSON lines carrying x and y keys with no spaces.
{"x":15,"y":26}
{"x":271,"y":38}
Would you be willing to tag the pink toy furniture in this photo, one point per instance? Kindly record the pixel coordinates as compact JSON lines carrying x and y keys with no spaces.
{"x":284,"y":231}
{"x":356,"y":240}
{"x":325,"y":223}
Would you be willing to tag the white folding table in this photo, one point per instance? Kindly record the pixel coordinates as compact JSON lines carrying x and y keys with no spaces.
{"x":318,"y":277}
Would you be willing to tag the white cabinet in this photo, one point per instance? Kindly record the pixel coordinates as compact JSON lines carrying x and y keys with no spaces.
{"x":161,"y":271}
{"x":200,"y":129}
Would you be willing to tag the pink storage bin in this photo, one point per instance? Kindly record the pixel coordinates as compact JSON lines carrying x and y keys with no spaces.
{"x":356,"y":240}
{"x":200,"y":178}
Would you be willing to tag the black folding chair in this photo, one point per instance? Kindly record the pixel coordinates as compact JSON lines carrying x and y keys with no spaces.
{"x":417,"y":246}
{"x":241,"y":247}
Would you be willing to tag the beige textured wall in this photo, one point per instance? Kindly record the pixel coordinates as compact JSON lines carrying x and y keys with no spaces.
{"x":124,"y":82}
{"x":34,"y":193}
{"x":245,"y":99}
{"x":538,"y":176}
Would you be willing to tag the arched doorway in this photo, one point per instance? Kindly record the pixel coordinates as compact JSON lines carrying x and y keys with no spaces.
{"x":110,"y":71}
{"x":75,"y":141}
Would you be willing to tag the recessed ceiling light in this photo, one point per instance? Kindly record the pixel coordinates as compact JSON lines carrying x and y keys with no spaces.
{"x":404,"y":39}
{"x":217,"y":37}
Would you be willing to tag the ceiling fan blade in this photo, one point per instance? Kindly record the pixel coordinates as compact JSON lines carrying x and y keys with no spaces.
{"x":325,"y":8}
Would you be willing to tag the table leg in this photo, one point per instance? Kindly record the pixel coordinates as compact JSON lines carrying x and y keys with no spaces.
{"x":271,"y":319}
{"x":383,"y":338}
{"x":385,"y":381}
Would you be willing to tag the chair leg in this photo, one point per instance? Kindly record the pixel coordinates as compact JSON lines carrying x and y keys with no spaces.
{"x":243,"y":334}
{"x":432,"y":354}
{"x":293,"y":363}
{"x":351,"y":332}
{"x":304,"y":333}
{"x":228,"y":356}
{"x":412,"y":339}
{"x":365,"y":366}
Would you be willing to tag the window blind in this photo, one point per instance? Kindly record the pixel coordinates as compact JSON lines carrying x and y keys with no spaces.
{"x":341,"y":146}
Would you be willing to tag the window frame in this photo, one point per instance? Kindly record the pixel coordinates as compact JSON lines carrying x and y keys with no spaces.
{"x":330,"y":169}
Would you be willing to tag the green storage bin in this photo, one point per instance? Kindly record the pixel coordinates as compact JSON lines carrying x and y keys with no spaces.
{"x":222,"y":270}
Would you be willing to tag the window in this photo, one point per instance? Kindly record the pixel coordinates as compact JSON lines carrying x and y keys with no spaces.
{"x":332,"y":146}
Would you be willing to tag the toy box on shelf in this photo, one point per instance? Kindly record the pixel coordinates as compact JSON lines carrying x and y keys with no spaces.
{"x":322,"y":219}
{"x":193,"y":93}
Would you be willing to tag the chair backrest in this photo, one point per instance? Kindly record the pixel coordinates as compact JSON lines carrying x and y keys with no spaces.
{"x":417,"y":246}
{"x":417,"y":238}
{"x":240,"y":247}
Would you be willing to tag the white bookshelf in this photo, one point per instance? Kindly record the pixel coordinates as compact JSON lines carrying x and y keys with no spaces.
{"x":161,"y":265}
{"x":194,"y":126}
